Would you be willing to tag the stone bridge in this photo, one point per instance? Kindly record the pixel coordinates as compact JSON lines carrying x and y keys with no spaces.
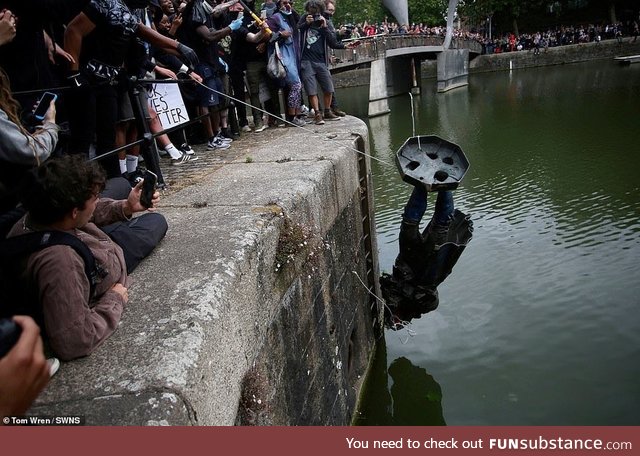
{"x":395,"y":64}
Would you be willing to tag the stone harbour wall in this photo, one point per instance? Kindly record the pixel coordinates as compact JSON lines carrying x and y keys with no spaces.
{"x":254,"y":309}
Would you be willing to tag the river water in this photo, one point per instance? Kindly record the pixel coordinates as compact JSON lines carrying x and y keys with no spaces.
{"x":539,"y":322}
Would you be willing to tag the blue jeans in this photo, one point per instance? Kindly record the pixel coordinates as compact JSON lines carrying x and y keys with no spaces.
{"x":417,"y":206}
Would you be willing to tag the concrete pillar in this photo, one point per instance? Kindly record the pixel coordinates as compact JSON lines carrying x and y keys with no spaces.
{"x":453,"y":69}
{"x":415,"y":76}
{"x":378,"y":94}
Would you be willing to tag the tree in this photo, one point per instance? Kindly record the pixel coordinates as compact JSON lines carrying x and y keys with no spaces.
{"x":430,"y":12}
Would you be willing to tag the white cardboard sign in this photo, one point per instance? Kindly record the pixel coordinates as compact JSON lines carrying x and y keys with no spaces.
{"x":168,"y":103}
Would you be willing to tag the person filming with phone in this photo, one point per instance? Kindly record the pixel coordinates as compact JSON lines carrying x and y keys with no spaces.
{"x":79,"y":312}
{"x":21,"y":150}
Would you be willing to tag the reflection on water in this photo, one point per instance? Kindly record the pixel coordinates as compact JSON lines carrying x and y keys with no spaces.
{"x":539,"y":322}
{"x":414,"y":398}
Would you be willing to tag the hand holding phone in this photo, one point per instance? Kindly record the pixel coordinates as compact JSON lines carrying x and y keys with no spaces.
{"x":148,"y":188}
{"x":43,"y":105}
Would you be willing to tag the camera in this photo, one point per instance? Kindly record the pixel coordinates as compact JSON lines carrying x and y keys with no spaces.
{"x":317,"y":20}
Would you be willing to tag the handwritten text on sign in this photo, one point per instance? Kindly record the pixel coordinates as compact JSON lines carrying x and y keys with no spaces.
{"x":167,"y":102}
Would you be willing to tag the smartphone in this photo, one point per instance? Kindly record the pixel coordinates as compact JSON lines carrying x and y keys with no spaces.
{"x":148,"y":188}
{"x":43,"y":105}
{"x":9,"y":334}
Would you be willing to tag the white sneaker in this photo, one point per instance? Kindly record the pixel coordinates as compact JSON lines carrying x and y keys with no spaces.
{"x":223,"y":138}
{"x":54,"y":365}
{"x":184,"y":158}
{"x":186,"y":148}
{"x":260,"y":128}
{"x":246,"y":129}
{"x":216,"y":143}
{"x":298,"y":122}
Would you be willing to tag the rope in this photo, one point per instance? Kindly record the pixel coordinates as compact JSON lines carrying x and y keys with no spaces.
{"x":308,"y":130}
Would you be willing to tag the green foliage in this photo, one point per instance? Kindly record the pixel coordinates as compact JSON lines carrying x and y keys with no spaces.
{"x":359,"y":11}
{"x":430,"y":12}
{"x":539,"y":14}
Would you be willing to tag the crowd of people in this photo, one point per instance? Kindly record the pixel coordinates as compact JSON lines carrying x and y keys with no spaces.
{"x":507,"y":42}
{"x":75,"y":171}
{"x":560,"y":36}
{"x":386,"y":27}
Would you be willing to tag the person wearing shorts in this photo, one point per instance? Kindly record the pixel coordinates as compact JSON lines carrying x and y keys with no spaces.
{"x":315,"y":41}
{"x":199,"y":30}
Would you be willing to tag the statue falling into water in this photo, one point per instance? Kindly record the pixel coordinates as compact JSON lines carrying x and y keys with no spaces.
{"x":426,"y":258}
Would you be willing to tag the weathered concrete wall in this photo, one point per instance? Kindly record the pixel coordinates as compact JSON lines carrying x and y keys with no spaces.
{"x":554,"y":56}
{"x":251,"y":310}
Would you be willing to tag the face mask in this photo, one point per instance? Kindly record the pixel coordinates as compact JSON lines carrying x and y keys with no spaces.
{"x":285,"y":11}
{"x":270,"y":9}
{"x":207,"y":8}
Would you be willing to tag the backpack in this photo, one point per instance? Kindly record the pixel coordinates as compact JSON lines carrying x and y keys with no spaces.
{"x":14,"y":298}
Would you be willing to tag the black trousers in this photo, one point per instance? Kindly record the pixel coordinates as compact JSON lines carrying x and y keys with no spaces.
{"x":137,"y":237}
{"x":237,"y":87}
{"x":93,"y":111}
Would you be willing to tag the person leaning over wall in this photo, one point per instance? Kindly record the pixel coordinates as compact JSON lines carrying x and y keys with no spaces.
{"x":63,"y":194}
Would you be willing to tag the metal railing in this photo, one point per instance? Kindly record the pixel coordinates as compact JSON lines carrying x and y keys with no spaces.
{"x":375,"y":47}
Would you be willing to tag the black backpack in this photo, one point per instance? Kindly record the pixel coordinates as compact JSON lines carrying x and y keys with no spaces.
{"x":14,"y":299}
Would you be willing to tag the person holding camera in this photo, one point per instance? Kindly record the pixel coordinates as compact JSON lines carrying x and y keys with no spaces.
{"x":78,"y":314}
{"x":316,"y":39}
{"x":24,"y":371}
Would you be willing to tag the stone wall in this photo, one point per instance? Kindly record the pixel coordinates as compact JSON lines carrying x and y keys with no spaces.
{"x":251,"y":311}
{"x":554,"y":56}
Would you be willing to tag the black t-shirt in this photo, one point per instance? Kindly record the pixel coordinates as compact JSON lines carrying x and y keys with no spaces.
{"x":314,"y":46}
{"x":196,"y":17}
{"x":115,"y":30}
{"x":243,"y":51}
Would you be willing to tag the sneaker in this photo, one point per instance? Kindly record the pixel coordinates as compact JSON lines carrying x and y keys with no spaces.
{"x":298,"y":122}
{"x":54,"y":365}
{"x":216,"y":143}
{"x":224,"y":138}
{"x":277,"y":122}
{"x":186,"y":148}
{"x":246,"y":129}
{"x":339,"y":112}
{"x":184,"y":158}
{"x":317,"y":119}
{"x":329,"y":115}
{"x":260,"y":127}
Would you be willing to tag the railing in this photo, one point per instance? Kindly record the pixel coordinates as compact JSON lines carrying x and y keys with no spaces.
{"x":375,"y":47}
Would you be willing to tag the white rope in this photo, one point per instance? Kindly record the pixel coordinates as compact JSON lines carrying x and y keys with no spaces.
{"x":308,"y":130}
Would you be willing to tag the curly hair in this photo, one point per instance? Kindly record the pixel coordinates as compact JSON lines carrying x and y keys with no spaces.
{"x":319,"y":5}
{"x":56,"y":187}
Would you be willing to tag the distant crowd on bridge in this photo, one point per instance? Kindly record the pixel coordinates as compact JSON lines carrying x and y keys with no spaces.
{"x":386,"y":27}
{"x":560,"y":36}
{"x":506,"y":42}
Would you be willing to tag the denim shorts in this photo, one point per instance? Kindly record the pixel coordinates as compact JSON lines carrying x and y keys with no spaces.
{"x":316,"y":70}
{"x":208,"y":98}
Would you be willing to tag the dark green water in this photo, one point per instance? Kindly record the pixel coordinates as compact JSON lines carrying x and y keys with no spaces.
{"x":539,"y":323}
